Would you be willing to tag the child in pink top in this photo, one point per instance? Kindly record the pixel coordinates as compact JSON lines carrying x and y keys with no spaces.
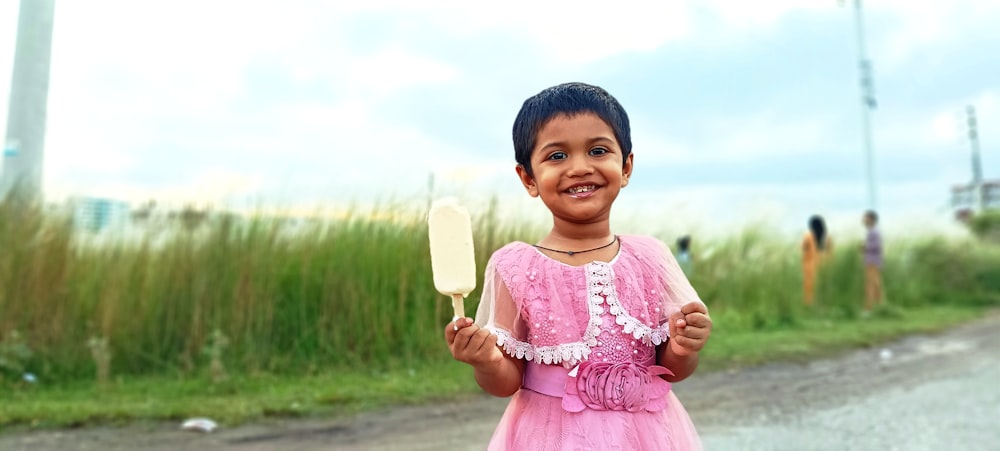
{"x":586,"y":329}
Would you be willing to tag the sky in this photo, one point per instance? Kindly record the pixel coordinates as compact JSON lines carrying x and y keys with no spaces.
{"x":741,"y":111}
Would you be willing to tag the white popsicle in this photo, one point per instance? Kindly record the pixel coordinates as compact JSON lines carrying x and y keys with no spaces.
{"x":453,"y":257}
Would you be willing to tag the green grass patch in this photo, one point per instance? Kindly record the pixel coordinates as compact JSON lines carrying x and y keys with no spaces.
{"x":238,"y":399}
{"x":346,"y":391}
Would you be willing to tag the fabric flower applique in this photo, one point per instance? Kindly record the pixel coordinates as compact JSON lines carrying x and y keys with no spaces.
{"x":616,"y":386}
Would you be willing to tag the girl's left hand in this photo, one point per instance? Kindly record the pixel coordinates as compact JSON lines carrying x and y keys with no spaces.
{"x":689,"y":329}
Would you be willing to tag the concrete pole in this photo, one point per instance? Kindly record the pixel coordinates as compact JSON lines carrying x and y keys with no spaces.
{"x":867,"y":103}
{"x":29,"y":89}
{"x":977,"y":168}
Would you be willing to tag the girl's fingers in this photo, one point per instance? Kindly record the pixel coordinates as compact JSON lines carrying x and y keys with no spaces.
{"x":675,"y":322}
{"x":462,"y":322}
{"x":698,"y":320}
{"x":471,"y":341}
{"x":698,"y":326}
{"x":480,"y":346}
{"x":476,"y":339}
{"x":476,"y":347}
{"x":457,"y":324}
{"x":449,"y":332}
{"x":694,"y":333}
{"x":463,"y":335}
{"x":689,"y":344}
{"x":491,"y":341}
{"x":680,"y":348}
{"x":694,"y":307}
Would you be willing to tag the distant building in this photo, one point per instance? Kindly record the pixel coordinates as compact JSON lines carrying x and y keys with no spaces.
{"x":95,"y":214}
{"x":964,"y":199}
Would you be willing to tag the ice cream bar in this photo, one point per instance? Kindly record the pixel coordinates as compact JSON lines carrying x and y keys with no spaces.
{"x":453,"y":258}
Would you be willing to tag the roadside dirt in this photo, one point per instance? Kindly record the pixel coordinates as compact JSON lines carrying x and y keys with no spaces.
{"x":718,"y":402}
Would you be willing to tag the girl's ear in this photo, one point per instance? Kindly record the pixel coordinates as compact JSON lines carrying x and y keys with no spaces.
{"x":627,"y":169}
{"x":527,"y":181}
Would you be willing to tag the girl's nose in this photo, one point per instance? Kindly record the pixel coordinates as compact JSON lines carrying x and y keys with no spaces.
{"x":580,"y":167}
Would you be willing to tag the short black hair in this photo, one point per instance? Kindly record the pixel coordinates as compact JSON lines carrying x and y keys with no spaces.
{"x":818,"y":228}
{"x":684,"y":243}
{"x":872,"y":214}
{"x":569,"y":99}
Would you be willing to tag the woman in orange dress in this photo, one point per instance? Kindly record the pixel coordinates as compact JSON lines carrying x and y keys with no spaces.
{"x":816,"y":246}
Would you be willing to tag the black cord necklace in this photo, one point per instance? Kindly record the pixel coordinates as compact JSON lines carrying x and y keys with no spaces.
{"x":572,"y":253}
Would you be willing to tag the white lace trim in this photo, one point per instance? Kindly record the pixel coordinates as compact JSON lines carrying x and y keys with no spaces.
{"x":601,"y":281}
{"x":568,"y":354}
{"x":600,"y":291}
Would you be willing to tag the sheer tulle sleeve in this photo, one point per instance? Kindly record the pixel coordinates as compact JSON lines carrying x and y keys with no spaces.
{"x":676,"y":286}
{"x":499,"y":313}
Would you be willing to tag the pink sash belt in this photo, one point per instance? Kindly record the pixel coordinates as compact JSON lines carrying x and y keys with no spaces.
{"x":601,"y":386}
{"x":546,"y":379}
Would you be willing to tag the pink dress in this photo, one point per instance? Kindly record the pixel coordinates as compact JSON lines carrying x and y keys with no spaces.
{"x":589,"y":335}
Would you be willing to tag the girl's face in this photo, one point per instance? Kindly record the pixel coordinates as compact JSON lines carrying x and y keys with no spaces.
{"x":578,"y":168}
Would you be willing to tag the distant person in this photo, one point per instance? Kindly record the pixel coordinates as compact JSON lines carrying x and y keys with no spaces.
{"x":584,"y":329}
{"x":684,"y":253}
{"x":816,"y":246}
{"x":872,"y":250}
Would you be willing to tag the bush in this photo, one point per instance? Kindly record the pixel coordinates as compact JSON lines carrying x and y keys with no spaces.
{"x":986,"y":225}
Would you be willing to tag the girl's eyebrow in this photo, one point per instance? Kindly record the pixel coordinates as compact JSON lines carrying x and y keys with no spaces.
{"x":601,"y":138}
{"x":589,"y":141}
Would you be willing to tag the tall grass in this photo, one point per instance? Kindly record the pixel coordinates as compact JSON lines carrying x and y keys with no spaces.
{"x":755,"y":282}
{"x":356,"y":291}
{"x":286,"y":295}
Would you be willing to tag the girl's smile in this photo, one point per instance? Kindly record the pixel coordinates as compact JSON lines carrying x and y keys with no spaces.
{"x":583,"y":190}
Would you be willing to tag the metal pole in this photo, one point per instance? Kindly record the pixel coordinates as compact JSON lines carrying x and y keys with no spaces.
{"x":867,"y":102}
{"x":29,"y":89}
{"x":977,"y":168}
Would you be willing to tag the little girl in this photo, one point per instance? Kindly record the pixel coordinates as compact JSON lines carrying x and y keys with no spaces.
{"x":586,"y":329}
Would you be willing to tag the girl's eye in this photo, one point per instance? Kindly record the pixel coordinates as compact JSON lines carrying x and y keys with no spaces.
{"x":557,"y":156}
{"x":598,"y":151}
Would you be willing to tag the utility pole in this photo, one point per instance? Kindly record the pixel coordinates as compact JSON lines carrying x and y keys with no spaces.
{"x":868,"y":102}
{"x":29,"y":90}
{"x":977,"y":168}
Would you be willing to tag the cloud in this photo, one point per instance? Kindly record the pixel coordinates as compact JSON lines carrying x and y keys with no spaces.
{"x":900,"y":30}
{"x":576,"y":32}
{"x":391,"y":70}
{"x":741,"y":15}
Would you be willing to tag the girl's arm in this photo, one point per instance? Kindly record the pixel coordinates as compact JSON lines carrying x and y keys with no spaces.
{"x":689,"y":327}
{"x":689,"y":331}
{"x":681,"y":366}
{"x":503,"y":379}
{"x":496,"y":372}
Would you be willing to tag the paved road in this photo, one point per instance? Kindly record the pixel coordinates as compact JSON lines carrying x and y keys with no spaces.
{"x":919,"y":393}
{"x":923,"y":393}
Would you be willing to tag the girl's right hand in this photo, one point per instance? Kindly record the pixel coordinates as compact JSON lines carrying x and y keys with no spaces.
{"x":496,"y":372}
{"x":472,"y":344}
